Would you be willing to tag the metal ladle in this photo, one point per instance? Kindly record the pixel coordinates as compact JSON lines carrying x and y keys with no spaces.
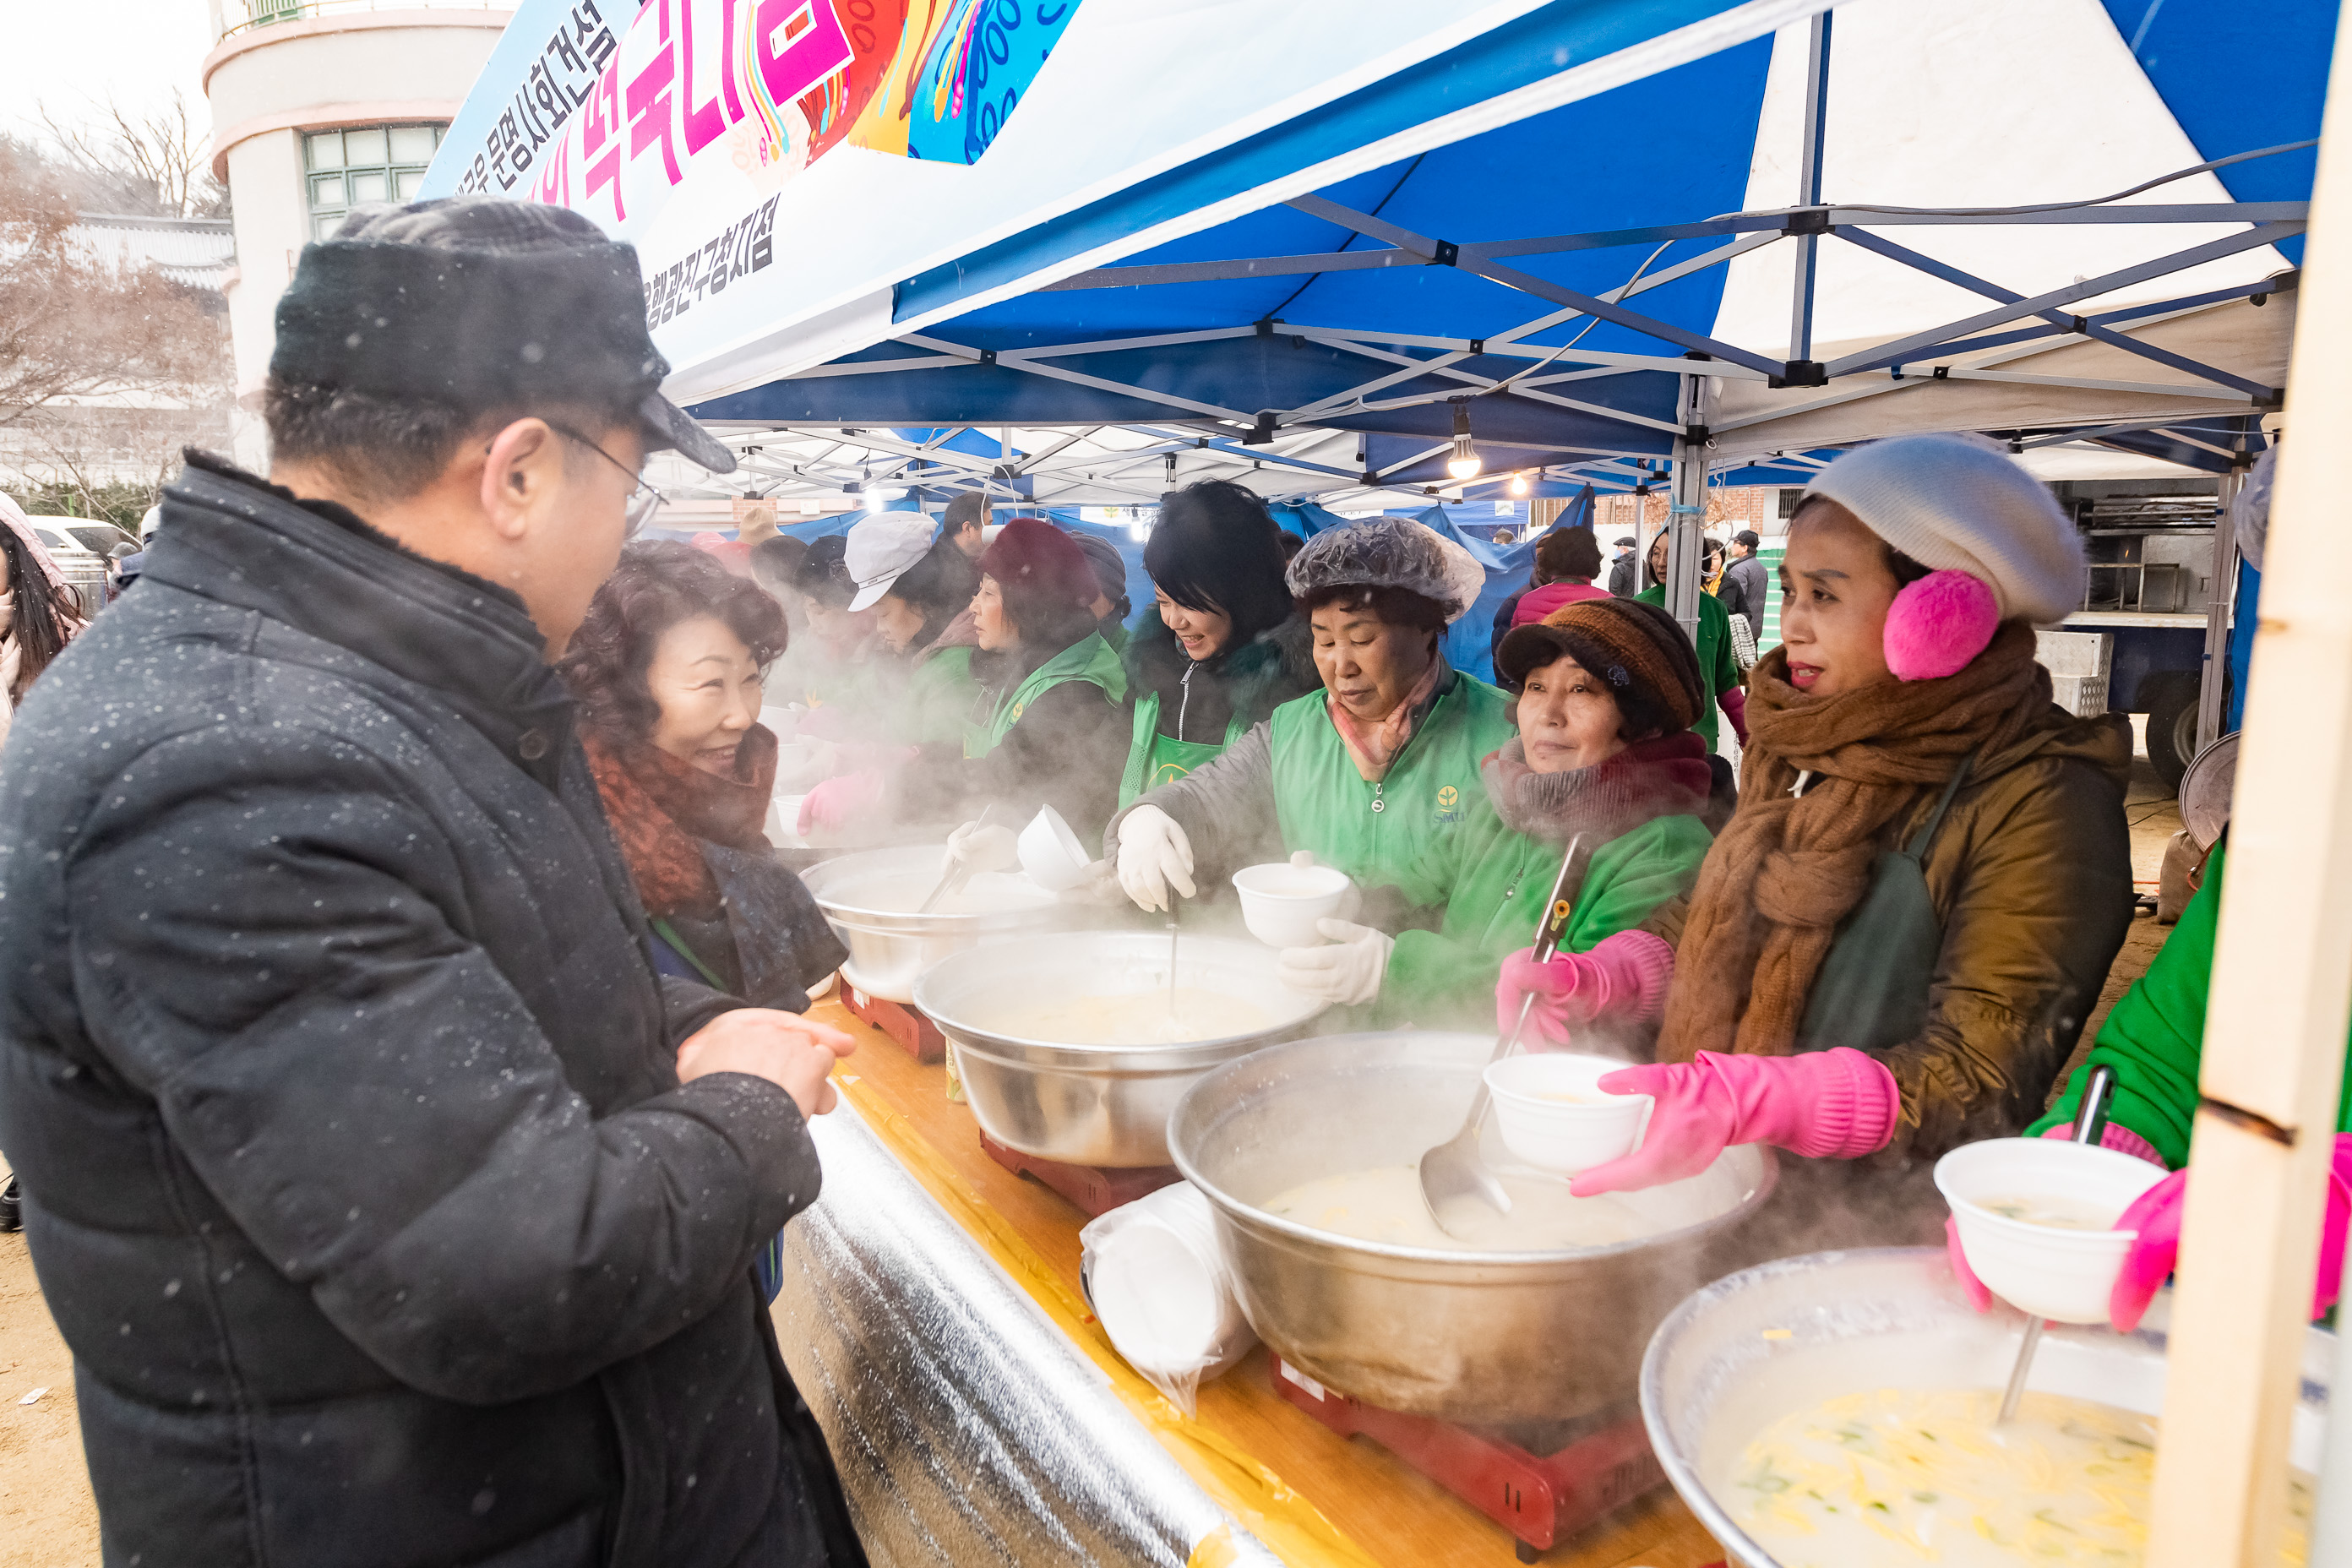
{"x":2090,"y":1120}
{"x":960,"y":872}
{"x":1453,"y":1179}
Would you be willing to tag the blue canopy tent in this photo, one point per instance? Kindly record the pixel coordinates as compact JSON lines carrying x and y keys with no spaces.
{"x":1403,"y":246}
{"x":1623,"y":327}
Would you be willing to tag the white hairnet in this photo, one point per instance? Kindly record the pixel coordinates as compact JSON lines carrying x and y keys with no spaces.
{"x":1391,"y":552}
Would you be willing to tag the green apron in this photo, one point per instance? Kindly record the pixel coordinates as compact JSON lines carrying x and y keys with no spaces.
{"x":1872,"y":990}
{"x":1374,"y":832}
{"x":1155,"y":759}
{"x":1089,"y":659}
{"x":940,"y":698}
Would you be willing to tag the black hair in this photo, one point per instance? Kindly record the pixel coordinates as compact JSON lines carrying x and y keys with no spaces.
{"x":389,"y":448}
{"x":964,"y":509}
{"x":773,"y":561}
{"x":1566,"y":555}
{"x":1905,"y":569}
{"x":938,"y":587}
{"x":43,"y":611}
{"x":822,"y":575}
{"x":1216,"y":548}
{"x":1047,"y":622}
{"x":1392,"y":607}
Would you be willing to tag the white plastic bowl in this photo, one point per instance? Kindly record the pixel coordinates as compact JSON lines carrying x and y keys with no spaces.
{"x":2043,"y":1270}
{"x":1282,"y":902}
{"x":1554,"y":1117}
{"x":1051,"y":853}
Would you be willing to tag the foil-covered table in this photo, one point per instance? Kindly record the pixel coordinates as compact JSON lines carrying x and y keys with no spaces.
{"x":967,"y":1428}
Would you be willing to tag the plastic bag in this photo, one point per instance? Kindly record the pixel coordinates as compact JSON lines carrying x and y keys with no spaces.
{"x":1161,"y":1287}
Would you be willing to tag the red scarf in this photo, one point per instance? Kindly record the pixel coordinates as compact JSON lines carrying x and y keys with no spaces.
{"x":660,"y":806}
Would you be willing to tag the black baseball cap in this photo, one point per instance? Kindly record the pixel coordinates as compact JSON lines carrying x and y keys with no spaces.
{"x":472,"y":299}
{"x":1747,"y":537}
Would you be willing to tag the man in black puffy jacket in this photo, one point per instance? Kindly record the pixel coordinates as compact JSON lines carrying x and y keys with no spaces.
{"x":397,"y":1212}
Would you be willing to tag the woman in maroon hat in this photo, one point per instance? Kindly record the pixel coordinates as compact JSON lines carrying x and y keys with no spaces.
{"x":1051,"y":726}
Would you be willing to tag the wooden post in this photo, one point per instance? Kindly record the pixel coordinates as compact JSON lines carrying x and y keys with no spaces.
{"x":2274,"y":1031}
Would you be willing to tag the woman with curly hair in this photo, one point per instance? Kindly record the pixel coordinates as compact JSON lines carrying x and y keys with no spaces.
{"x":666,"y":669}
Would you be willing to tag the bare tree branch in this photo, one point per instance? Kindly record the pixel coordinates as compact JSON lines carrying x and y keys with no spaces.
{"x":145,"y":165}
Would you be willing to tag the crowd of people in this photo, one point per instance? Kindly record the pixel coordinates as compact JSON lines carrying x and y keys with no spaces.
{"x":405,"y":1059}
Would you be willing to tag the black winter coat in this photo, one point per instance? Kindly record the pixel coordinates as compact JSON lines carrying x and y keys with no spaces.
{"x":356,"y":1168}
{"x":1252,"y":679}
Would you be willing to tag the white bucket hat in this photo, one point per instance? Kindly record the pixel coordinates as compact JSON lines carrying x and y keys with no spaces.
{"x":1959,"y":503}
{"x":880,"y":551}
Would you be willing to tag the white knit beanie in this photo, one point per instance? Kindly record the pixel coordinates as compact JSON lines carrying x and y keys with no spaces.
{"x":1959,"y":503}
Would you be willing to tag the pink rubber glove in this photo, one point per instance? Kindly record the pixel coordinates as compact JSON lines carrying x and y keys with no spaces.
{"x":1623,"y":975}
{"x":1970,"y":1286}
{"x":1836,"y":1105}
{"x":1734,"y":701}
{"x":838,"y":802}
{"x":2116,"y":1136}
{"x":2156,"y":1215}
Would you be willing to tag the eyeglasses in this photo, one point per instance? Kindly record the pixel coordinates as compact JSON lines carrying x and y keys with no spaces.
{"x":642,"y":502}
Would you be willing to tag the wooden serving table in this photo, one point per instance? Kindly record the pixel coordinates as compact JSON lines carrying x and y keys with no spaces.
{"x":1311,"y":1495}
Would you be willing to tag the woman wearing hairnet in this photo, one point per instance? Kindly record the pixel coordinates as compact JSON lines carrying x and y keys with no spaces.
{"x":1366,"y":773}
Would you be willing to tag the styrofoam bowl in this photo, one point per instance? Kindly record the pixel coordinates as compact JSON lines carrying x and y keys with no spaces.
{"x":1553,"y":1115}
{"x":1051,"y":853}
{"x":2043,"y":1270}
{"x":1282,"y":902}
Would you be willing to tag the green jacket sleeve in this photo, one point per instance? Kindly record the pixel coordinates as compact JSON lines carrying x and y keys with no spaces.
{"x":1660,"y":861}
{"x":1722,"y":671}
{"x":2155,"y":1038}
{"x":1435,"y":975}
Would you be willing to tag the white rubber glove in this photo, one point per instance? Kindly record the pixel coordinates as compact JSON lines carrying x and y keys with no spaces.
{"x":1347,"y":973}
{"x":1100,"y":890}
{"x":1153,"y":856}
{"x":979,"y":848}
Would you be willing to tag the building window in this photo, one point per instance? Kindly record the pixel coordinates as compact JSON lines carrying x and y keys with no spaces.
{"x":351,"y":168}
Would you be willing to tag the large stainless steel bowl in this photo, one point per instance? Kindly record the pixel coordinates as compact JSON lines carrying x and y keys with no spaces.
{"x":1095,"y":1105}
{"x":870,"y":899}
{"x":1518,"y":1341}
{"x":1848,"y":1322}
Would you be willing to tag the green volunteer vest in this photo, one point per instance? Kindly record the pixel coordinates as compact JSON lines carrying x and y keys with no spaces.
{"x":1374,"y":832}
{"x":1154,"y":759}
{"x":1089,"y":659}
{"x":941,"y":697}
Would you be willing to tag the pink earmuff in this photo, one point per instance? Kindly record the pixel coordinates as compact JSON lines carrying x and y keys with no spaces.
{"x":1939,"y":623}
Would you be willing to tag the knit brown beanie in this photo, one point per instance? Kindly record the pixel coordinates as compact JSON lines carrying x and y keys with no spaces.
{"x":1637,"y":649}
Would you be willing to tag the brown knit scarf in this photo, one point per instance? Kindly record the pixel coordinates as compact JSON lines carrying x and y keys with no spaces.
{"x":659,"y":805}
{"x":1786,"y":870}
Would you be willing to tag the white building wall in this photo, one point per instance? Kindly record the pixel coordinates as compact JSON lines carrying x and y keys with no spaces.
{"x":339,"y":67}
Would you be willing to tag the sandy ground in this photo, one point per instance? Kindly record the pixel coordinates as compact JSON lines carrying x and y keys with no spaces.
{"x":47,"y":1517}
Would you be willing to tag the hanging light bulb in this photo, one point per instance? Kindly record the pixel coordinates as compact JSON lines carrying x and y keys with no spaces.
{"x":1465,"y":463}
{"x":1518,"y":484}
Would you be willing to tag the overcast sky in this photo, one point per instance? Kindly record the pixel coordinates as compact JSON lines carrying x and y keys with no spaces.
{"x":72,"y":55}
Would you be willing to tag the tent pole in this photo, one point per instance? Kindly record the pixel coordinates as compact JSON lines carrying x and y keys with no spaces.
{"x":2214,"y":675}
{"x":1686,"y":512}
{"x":1808,"y":182}
{"x":2274,"y":1036}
